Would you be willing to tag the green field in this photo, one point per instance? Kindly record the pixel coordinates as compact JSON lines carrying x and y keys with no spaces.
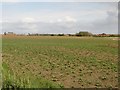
{"x":54,"y":62}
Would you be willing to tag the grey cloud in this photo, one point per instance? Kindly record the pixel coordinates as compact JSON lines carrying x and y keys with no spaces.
{"x":108,"y":25}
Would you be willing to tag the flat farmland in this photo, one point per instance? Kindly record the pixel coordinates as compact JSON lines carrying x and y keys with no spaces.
{"x":59,"y":62}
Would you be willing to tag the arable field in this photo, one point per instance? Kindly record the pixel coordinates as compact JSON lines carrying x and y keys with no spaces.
{"x":54,"y":62}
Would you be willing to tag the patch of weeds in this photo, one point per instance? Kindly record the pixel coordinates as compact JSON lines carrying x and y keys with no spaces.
{"x":74,"y":80}
{"x":89,"y":82}
{"x":81,"y":74}
{"x":109,"y":86}
{"x":107,"y":73}
{"x":10,"y":84}
{"x":80,"y":80}
{"x":116,"y":76}
{"x":103,"y":77}
{"x":54,"y":79}
{"x":80,"y":69}
{"x":73,"y":72}
{"x":67,"y":73}
{"x":97,"y":84}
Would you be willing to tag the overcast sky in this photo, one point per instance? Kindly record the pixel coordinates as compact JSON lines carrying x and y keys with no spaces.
{"x":59,"y":17}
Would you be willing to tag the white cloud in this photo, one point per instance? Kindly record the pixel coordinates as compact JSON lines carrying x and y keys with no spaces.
{"x":55,"y":16}
{"x":70,"y":19}
{"x":59,"y":20}
{"x":28,"y":20}
{"x":63,"y":19}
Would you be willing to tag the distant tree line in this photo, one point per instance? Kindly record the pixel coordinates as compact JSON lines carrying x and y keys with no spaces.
{"x":106,"y":35}
{"x":79,"y":34}
{"x":45,"y":34}
{"x":83,"y":34}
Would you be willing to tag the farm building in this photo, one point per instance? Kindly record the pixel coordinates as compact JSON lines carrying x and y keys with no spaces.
{"x":9,"y":33}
